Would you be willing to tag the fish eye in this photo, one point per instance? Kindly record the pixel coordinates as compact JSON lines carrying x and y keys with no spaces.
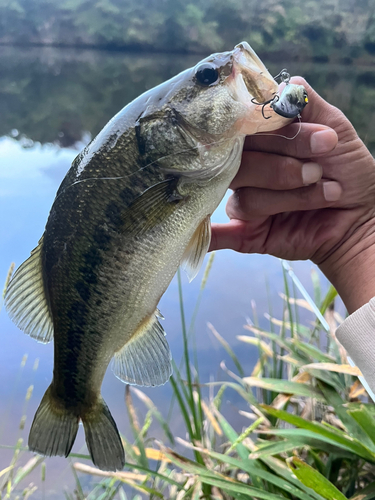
{"x":206,"y":74}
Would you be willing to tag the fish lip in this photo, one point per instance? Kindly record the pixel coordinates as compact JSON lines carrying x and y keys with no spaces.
{"x":252,"y":86}
{"x":254,"y":75}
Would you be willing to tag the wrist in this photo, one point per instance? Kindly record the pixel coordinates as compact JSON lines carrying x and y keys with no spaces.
{"x":351,"y":268}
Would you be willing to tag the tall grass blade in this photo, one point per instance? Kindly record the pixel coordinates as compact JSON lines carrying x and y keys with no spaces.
{"x":227,"y":348}
{"x":254,"y":468}
{"x":316,"y":286}
{"x":286,"y":286}
{"x":183,"y":407}
{"x":232,"y":435}
{"x":314,"y":480}
{"x":285,"y":386}
{"x":186,"y":356}
{"x":245,"y":434}
{"x":136,"y":428}
{"x":154,"y":411}
{"x":364,"y":418}
{"x":328,"y":299}
{"x":322,"y":431}
{"x":305,"y":294}
{"x":352,"y":425}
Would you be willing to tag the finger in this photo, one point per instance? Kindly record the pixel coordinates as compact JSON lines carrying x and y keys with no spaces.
{"x":247,"y":203}
{"x":312,"y":141}
{"x":318,"y":109}
{"x":270,"y":171}
{"x":230,"y":235}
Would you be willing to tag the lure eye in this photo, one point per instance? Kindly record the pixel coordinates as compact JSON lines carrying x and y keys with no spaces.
{"x":305,"y":97}
{"x":206,"y":74}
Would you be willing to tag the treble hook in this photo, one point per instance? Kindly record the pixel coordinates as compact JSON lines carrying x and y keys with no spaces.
{"x":275,"y":98}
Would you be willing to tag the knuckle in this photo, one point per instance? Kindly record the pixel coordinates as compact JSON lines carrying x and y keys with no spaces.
{"x":233,"y":207}
{"x":305,"y":195}
{"x":286,"y":174}
{"x":335,"y":115}
{"x":246,"y":202}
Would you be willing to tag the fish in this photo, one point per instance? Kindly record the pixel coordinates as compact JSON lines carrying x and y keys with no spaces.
{"x":134,"y":206}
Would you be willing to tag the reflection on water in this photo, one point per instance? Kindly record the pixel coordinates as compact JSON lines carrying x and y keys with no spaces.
{"x":62,"y":97}
{"x":56,"y":95}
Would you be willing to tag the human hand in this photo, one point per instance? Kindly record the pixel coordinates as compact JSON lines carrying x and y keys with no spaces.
{"x":330,"y":221}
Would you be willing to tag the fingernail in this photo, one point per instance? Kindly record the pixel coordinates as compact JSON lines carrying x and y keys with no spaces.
{"x":311,"y":172}
{"x":323,"y":141}
{"x":332,"y":191}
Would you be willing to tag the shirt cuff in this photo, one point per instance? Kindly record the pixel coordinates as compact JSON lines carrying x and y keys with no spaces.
{"x":357,"y":335}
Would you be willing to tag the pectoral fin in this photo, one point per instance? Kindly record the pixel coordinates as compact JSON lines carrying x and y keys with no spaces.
{"x":195,"y":252}
{"x":210,"y":171}
{"x":152,"y":206}
{"x":26,"y":301}
{"x":146,"y":358}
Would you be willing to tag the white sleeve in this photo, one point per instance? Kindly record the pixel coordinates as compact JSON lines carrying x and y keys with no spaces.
{"x":357,"y":335}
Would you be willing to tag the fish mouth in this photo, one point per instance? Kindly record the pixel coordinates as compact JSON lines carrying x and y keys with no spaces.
{"x":251,"y":79}
{"x":253,"y":86}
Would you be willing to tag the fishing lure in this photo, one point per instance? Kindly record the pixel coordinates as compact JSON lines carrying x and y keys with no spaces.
{"x":292,"y":100}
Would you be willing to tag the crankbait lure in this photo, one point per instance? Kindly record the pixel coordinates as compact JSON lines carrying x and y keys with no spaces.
{"x":292,"y":100}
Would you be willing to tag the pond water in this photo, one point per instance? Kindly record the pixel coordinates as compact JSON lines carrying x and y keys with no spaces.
{"x":51,"y":103}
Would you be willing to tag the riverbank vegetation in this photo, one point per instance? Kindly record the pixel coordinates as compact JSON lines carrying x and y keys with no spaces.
{"x":307,"y":428}
{"x":316,"y":29}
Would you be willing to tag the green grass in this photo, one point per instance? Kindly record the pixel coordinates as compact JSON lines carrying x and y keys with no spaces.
{"x":310,"y":432}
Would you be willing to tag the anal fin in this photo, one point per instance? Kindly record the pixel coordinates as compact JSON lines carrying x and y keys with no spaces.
{"x":26,"y":301}
{"x":146,"y":358}
{"x":197,"y":248}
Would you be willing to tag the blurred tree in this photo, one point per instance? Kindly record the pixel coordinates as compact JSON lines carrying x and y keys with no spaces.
{"x":369,"y":38}
{"x":317,"y":28}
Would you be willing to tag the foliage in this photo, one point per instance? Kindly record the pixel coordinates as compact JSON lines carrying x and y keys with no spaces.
{"x":315,"y":28}
{"x":310,"y":435}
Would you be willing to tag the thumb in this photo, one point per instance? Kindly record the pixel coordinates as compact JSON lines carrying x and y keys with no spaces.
{"x":320,"y":111}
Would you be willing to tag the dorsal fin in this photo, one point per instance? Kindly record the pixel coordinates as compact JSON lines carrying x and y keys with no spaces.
{"x":146,"y":358}
{"x":197,"y":248}
{"x":25,"y":299}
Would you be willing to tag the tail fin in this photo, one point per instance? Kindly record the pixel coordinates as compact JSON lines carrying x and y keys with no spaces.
{"x":103,"y":439}
{"x":54,"y":428}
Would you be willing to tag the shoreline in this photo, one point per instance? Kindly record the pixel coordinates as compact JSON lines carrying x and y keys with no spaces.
{"x":362,"y":60}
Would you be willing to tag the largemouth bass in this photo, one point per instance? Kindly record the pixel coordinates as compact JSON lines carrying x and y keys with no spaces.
{"x":135,"y":204}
